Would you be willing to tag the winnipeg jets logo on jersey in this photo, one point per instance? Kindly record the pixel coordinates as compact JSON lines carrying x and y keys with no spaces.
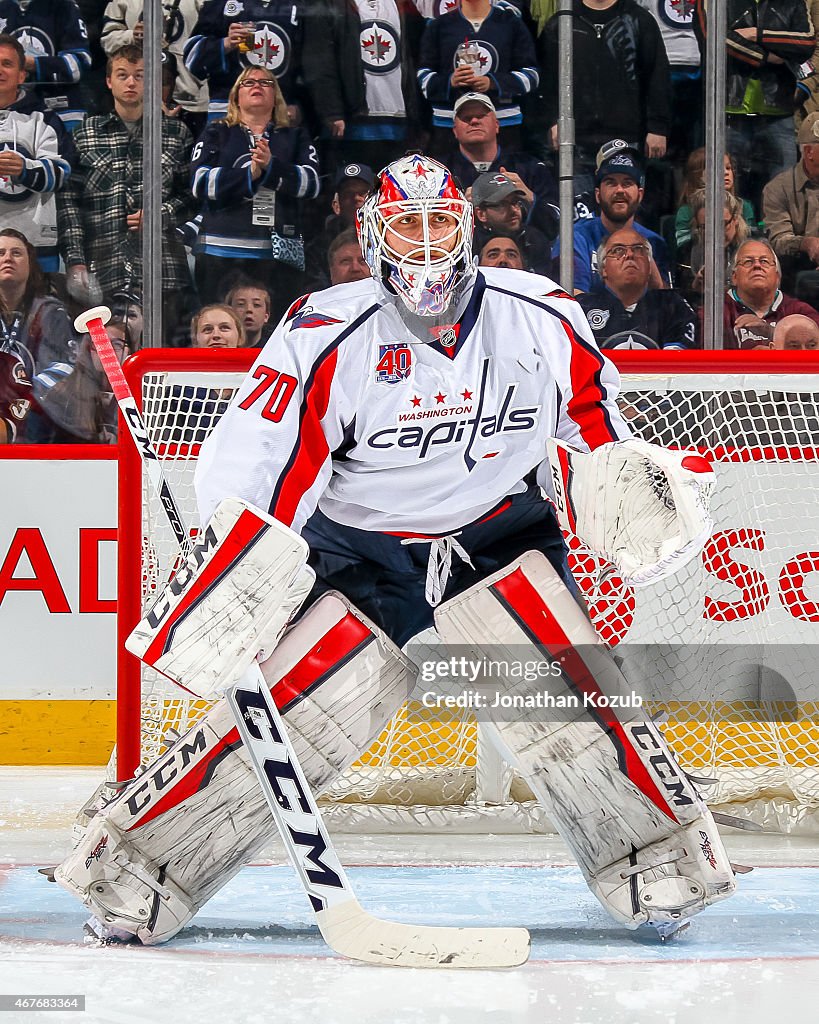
{"x":379,"y":47}
{"x":271,"y":49}
{"x":34,"y":41}
{"x":487,"y":57}
{"x":677,"y":13}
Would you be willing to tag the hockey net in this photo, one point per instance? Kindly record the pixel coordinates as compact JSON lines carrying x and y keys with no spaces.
{"x":749,"y":605}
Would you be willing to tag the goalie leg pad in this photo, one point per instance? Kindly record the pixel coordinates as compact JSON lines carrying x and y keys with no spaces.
{"x":180,"y":830}
{"x":642,"y":835}
{"x":246,"y":577}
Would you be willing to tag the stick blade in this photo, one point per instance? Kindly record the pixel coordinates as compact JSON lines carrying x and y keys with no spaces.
{"x":350,"y":930}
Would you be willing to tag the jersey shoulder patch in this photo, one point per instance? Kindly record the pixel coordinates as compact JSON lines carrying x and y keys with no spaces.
{"x":303,"y":315}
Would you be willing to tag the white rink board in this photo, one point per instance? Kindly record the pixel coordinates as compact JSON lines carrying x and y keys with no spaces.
{"x":52,"y":510}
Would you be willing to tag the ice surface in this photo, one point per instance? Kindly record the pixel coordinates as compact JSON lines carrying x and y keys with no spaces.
{"x":253,"y":953}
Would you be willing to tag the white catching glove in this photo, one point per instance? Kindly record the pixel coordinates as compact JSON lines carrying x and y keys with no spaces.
{"x":643,"y":507}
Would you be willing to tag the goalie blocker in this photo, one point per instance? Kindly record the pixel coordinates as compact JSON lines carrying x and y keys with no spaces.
{"x":642,"y":834}
{"x":244,"y":580}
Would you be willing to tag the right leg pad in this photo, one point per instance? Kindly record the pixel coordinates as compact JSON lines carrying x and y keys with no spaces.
{"x":180,"y":830}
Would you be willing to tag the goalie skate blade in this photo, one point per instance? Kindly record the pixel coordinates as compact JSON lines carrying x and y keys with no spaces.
{"x":101,"y":934}
{"x":671,"y":930}
{"x":350,"y":930}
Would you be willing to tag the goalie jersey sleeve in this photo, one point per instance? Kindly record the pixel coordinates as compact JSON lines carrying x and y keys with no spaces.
{"x":345,"y":409}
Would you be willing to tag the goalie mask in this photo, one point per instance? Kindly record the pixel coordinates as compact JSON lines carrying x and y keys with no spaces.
{"x":415,"y":232}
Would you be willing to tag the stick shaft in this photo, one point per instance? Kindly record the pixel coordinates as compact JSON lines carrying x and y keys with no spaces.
{"x":136,"y":427}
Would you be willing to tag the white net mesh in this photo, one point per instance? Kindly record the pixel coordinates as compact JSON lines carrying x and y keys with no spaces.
{"x":750,"y":605}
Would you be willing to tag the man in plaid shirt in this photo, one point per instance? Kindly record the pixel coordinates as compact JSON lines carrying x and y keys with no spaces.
{"x":100,"y":209}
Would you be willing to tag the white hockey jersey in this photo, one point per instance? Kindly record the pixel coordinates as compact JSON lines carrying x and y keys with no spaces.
{"x":344,"y":408}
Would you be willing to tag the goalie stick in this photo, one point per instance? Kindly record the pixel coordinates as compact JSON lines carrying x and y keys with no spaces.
{"x":344,"y":924}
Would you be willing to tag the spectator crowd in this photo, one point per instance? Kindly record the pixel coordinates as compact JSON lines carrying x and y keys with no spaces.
{"x":277,"y":117}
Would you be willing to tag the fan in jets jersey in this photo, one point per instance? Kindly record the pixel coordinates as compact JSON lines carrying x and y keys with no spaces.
{"x":401,"y":422}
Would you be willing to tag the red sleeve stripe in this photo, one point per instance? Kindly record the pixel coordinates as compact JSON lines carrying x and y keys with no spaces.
{"x":311,"y":449}
{"x":586,"y":406}
{"x":341,"y":643}
{"x":531,"y":613}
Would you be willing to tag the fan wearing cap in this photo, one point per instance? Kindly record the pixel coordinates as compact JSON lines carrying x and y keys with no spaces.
{"x":790,"y":210}
{"x":625,"y":312}
{"x":501,"y":208}
{"x":476,"y":130}
{"x":353,"y":184}
{"x":619,"y":190}
{"x":621,"y":83}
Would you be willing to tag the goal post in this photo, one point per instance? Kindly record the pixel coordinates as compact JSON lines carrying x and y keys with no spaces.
{"x":747,"y":612}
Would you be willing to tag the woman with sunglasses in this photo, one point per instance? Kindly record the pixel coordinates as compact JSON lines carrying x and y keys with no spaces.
{"x":251,"y":172}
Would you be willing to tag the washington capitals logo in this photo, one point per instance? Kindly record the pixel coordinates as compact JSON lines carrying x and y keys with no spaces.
{"x":310,"y":317}
{"x":302,"y":315}
{"x":676,"y":12}
{"x":380,"y":48}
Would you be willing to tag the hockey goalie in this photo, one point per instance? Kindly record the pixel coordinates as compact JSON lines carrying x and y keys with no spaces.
{"x":403,"y":453}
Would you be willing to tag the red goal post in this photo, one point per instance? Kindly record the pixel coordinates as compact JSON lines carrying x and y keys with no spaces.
{"x":756,"y":588}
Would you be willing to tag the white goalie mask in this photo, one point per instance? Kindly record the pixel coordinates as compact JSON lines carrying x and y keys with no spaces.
{"x":415,"y":232}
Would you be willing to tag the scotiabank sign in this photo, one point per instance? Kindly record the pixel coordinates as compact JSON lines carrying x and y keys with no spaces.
{"x":58,"y":519}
